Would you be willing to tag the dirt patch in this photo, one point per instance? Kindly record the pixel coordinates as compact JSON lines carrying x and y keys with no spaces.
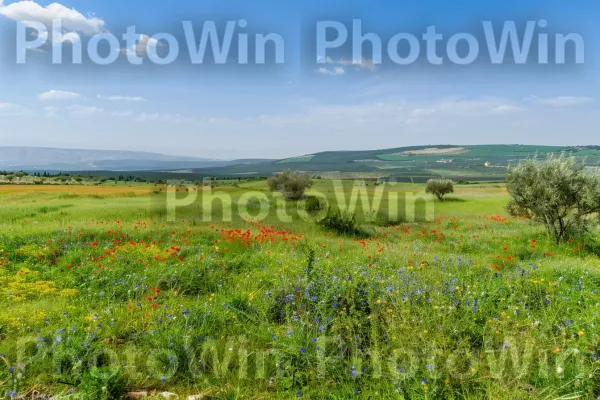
{"x":434,"y":151}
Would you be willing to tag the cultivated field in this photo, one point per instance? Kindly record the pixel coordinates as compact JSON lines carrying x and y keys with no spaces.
{"x":102,"y":294}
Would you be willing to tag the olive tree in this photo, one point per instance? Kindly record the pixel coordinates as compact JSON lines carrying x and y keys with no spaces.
{"x":439,"y":187}
{"x":558,"y":192}
{"x":291,"y":184}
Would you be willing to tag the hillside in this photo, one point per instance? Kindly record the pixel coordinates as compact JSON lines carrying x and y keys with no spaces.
{"x":417,"y":163}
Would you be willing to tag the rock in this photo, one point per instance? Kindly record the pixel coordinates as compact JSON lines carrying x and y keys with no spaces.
{"x":195,"y":397}
{"x":168,"y":395}
{"x":137,"y":395}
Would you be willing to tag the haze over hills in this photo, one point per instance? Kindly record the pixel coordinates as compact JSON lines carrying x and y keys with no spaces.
{"x":416,"y":163}
{"x":55,"y":159}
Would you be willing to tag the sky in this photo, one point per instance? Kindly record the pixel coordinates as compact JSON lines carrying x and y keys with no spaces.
{"x":304,"y":104}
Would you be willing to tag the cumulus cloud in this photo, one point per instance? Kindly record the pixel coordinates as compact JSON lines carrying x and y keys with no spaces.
{"x":71,"y":19}
{"x":140,"y":48}
{"x":561,"y":101}
{"x":53,"y":94}
{"x":122,"y":98}
{"x":80,"y":111}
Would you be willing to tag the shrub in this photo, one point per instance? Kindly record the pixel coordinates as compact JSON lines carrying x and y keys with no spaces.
{"x":439,"y":187}
{"x":314,"y":204}
{"x":342,"y":224}
{"x":291,"y":184}
{"x":557,"y":192}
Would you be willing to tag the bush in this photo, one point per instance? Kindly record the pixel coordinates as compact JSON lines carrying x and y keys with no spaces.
{"x":439,"y":187}
{"x":558,"y":192}
{"x":314,"y":204}
{"x":291,"y":184}
{"x":342,"y":224}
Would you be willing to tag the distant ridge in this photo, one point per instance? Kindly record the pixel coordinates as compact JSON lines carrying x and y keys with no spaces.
{"x":14,"y":158}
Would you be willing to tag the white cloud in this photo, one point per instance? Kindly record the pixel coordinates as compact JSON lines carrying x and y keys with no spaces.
{"x":159,"y":117}
{"x":561,"y":101}
{"x":122,"y":114}
{"x":122,"y":98}
{"x":422,"y":112}
{"x":72,"y":20}
{"x":58,"y":95}
{"x":80,"y":111}
{"x":334,"y":71}
{"x":473,"y":107}
{"x":140,"y":48}
{"x":340,"y":65}
{"x":51,"y":112}
{"x":506,"y":108}
{"x":15,"y":109}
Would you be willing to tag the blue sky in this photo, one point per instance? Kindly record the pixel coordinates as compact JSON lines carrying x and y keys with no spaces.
{"x":298,"y":107}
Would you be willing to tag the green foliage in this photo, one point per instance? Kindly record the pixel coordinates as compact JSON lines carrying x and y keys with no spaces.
{"x":439,"y":187}
{"x":291,"y":184}
{"x":384,"y":221}
{"x":103,"y":384}
{"x":444,"y":309}
{"x":342,"y":223}
{"x":314,"y":204}
{"x":557,"y":192}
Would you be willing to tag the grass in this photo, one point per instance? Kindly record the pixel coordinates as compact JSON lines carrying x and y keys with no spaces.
{"x":103,"y":294}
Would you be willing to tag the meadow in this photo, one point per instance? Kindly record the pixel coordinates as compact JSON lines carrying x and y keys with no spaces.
{"x":103,"y":294}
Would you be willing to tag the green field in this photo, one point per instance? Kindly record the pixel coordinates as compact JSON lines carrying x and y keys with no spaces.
{"x":103,"y":294}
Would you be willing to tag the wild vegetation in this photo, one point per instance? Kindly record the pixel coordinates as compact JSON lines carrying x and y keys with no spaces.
{"x":103,"y":295}
{"x":558,"y":192}
{"x":439,"y":187}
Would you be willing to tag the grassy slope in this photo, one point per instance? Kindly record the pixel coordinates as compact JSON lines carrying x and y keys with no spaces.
{"x":423,"y":310}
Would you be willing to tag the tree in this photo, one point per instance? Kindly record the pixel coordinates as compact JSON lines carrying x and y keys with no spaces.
{"x":291,"y":184}
{"x":439,"y":187}
{"x":558,"y":192}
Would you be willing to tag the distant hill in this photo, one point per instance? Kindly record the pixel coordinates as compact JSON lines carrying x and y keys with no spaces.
{"x":416,"y":163}
{"x":53,"y":159}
